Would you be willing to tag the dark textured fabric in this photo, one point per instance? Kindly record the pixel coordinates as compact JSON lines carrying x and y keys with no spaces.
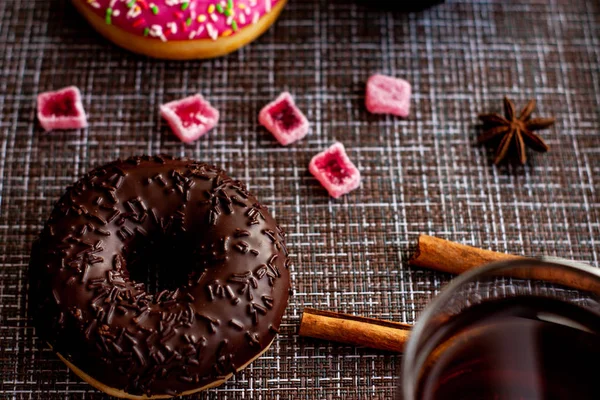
{"x":420,"y":175}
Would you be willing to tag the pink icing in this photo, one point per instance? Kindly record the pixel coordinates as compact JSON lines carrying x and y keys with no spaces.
{"x":181,"y":19}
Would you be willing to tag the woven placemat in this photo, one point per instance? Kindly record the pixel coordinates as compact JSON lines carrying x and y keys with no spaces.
{"x":421,"y":175}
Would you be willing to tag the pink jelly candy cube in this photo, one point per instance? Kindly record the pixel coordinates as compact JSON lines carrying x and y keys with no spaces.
{"x":190,"y":118}
{"x":335,"y":171}
{"x":61,"y":109}
{"x":284,"y":120}
{"x":387,"y":95}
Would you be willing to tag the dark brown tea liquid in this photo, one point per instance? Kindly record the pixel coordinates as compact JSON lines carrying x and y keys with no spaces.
{"x":516,"y":349}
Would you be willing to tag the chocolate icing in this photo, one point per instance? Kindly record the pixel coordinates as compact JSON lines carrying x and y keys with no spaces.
{"x":232,"y":253}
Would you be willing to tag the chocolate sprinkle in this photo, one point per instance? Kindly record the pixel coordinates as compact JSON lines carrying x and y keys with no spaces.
{"x":252,"y":339}
{"x":236,"y":324}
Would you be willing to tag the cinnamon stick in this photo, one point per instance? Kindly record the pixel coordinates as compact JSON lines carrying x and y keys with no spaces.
{"x":354,"y":330}
{"x":454,"y":258}
{"x":446,"y":256}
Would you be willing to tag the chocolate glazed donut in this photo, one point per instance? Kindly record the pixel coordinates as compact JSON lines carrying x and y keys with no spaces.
{"x":222,"y":247}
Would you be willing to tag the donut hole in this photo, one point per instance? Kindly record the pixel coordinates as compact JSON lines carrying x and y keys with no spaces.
{"x":162,"y":263}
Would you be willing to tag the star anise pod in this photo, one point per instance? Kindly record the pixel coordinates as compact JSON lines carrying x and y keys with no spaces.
{"x":516,"y":132}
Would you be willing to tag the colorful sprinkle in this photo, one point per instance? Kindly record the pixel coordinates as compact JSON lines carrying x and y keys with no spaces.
{"x":219,"y":8}
{"x":109,"y":12}
{"x":185,"y":6}
{"x":139,"y":22}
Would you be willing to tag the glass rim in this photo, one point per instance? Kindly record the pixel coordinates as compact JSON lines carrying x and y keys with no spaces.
{"x":410,"y":354}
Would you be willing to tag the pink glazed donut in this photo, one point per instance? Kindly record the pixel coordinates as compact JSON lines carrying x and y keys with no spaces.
{"x":181,"y":29}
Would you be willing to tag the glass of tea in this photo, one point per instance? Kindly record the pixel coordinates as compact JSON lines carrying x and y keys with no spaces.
{"x":519,"y":330}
